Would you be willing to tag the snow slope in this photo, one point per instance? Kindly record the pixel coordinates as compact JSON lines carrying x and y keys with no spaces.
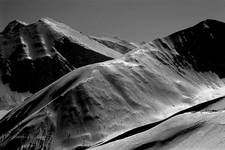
{"x":154,"y":97}
{"x":34,"y":55}
{"x":200,"y":127}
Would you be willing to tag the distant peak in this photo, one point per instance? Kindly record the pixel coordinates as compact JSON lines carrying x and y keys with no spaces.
{"x":16,"y":21}
{"x":14,"y":25}
{"x":49,"y":21}
{"x":211,"y":22}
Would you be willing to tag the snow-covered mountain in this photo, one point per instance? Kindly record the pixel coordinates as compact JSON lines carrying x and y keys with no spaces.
{"x":165,"y":94}
{"x":35,"y":55}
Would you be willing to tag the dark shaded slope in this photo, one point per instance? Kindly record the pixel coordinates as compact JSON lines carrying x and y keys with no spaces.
{"x":33,"y":75}
{"x":78,"y":55}
{"x":202,"y":46}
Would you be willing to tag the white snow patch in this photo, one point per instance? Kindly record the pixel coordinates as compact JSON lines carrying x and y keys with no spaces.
{"x":206,"y":94}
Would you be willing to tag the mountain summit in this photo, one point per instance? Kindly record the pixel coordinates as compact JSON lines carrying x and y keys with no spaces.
{"x":34,"y":55}
{"x":200,"y":45}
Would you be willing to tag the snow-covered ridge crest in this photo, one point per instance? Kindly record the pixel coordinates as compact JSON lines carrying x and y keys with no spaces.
{"x":151,"y":91}
{"x":34,"y":55}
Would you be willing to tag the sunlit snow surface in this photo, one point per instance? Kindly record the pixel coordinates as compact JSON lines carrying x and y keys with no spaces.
{"x":150,"y":98}
{"x":80,"y":38}
{"x":99,"y":102}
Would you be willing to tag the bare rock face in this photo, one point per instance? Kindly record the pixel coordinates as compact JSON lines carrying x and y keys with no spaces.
{"x":34,"y":55}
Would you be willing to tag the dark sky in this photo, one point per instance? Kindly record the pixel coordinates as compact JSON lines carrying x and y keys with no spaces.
{"x":133,"y":20}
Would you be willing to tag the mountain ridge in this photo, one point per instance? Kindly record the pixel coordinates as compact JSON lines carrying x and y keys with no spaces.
{"x":98,"y":102}
{"x":195,"y":45}
{"x":34,"y":55}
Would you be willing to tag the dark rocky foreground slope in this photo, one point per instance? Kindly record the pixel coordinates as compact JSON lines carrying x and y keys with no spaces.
{"x":35,"y":55}
{"x":125,"y":103}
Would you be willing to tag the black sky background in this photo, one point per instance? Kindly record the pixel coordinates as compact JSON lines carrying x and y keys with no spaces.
{"x":132,"y":20}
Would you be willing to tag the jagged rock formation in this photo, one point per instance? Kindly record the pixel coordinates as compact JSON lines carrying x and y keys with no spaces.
{"x":35,"y":55}
{"x":92,"y":106}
